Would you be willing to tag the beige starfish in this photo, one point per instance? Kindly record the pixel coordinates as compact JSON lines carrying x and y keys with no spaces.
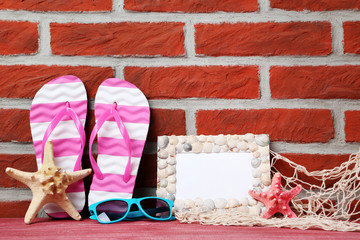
{"x":48,"y":185}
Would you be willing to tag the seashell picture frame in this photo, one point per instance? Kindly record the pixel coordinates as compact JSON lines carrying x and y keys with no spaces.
{"x":213,"y":173}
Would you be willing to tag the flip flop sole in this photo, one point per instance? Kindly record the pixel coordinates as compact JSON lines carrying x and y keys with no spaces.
{"x":48,"y":101}
{"x":133,"y":109}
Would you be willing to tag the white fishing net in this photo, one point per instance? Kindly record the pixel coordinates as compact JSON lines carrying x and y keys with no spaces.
{"x":331,"y":205}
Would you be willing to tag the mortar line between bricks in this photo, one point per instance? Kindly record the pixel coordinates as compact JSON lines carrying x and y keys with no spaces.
{"x":241,"y":104}
{"x":264,"y":6}
{"x":264,"y":84}
{"x":118,"y":6}
{"x":337,"y":36}
{"x":335,"y":115}
{"x":339,"y":124}
{"x":218,"y":104}
{"x":314,"y":148}
{"x":16,"y":148}
{"x":189,"y":43}
{"x":11,"y":103}
{"x":288,"y":147}
{"x":15,"y":194}
{"x":44,"y":39}
{"x":119,"y":72}
{"x":190,"y":121}
{"x":339,"y":134}
{"x":281,"y":147}
{"x":104,"y":61}
{"x":274,"y":15}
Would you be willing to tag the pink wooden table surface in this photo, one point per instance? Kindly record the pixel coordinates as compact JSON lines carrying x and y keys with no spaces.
{"x":14,"y":228}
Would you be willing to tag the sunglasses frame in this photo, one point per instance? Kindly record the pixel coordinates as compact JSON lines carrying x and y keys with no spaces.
{"x":130,"y":202}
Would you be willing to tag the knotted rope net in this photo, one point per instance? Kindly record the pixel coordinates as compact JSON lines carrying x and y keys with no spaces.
{"x":333,"y":204}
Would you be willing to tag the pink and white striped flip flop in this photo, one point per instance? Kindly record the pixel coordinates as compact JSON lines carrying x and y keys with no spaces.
{"x":122,"y":120}
{"x":58,"y":113}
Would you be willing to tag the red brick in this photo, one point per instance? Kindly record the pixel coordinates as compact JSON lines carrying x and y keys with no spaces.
{"x":58,"y":6}
{"x":352,"y":37}
{"x":20,"y":81}
{"x":312,"y":162}
{"x":18,"y":37}
{"x":264,"y":39}
{"x":162,"y":122}
{"x":14,"y":125}
{"x":352,"y":126}
{"x":324,"y":82}
{"x":196,"y":81}
{"x":147,"y":173}
{"x":316,"y":5}
{"x":200,"y":6}
{"x":26,"y":162}
{"x":15,"y":209}
{"x":118,"y":39}
{"x":291,"y":125}
{"x":166,"y":122}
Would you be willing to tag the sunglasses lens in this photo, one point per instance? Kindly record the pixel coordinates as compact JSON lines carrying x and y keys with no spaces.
{"x":111,"y":210}
{"x":155,"y":207}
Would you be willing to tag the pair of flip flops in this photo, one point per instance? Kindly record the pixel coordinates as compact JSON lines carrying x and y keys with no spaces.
{"x":58,"y":112}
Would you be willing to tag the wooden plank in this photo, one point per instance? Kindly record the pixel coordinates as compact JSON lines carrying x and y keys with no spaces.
{"x":70,"y":229}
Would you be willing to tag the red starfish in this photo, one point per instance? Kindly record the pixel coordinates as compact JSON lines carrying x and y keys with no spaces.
{"x":276,"y":200}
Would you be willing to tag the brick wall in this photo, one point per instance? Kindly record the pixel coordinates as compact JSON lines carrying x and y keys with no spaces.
{"x":287,"y":68}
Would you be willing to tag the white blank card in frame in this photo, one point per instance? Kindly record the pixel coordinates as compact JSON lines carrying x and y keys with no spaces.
{"x":198,"y":175}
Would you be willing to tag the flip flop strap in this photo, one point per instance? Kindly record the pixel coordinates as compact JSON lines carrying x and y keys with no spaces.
{"x":55,"y":121}
{"x":111,"y":112}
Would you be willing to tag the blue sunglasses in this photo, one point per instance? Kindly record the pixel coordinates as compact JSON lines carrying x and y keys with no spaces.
{"x":116,"y":210}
